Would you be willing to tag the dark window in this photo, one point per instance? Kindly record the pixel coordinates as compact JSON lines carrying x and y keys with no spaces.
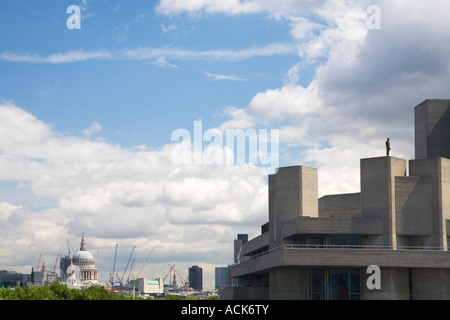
{"x":316,"y":281}
{"x":345,"y":283}
{"x":314,"y":241}
{"x":344,"y":241}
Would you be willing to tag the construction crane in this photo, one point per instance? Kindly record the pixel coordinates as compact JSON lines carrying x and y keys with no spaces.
{"x":186,"y":282}
{"x":111,"y":276}
{"x":129,"y":273}
{"x":69,"y":246}
{"x":126,"y":268}
{"x":170,"y":271}
{"x":145,"y":262}
{"x":39,"y":262}
{"x":56,"y":262}
{"x":172,"y":268}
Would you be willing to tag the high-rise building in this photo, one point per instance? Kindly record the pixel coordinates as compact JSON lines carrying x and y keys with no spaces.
{"x":221,"y":277}
{"x":196,"y":277}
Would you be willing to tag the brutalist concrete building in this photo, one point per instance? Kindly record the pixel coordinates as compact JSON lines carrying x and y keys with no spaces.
{"x":322,"y":248}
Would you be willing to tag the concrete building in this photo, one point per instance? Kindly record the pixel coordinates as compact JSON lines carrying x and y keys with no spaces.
{"x":322,"y":248}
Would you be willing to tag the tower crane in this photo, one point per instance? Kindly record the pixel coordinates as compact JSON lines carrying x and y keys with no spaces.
{"x":131,"y":268}
{"x":186,"y":282}
{"x":69,"y":246}
{"x":39,"y":262}
{"x":144,"y":263}
{"x":56,"y":262}
{"x":111,"y":277}
{"x":126,"y":268}
{"x":170,"y":271}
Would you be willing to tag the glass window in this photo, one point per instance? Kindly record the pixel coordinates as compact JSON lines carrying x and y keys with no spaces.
{"x":345,"y":241}
{"x":316,"y":281}
{"x":345,"y":283}
{"x":314,"y":241}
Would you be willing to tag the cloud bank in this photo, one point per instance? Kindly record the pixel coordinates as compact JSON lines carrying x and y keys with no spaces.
{"x":134,"y":196}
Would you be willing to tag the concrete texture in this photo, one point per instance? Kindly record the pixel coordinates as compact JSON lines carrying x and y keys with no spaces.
{"x":432,"y":129}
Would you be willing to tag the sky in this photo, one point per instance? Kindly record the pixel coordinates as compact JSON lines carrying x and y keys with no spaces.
{"x":117,"y":127}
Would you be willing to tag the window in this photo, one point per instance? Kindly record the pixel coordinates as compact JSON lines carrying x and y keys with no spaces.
{"x":314,"y":242}
{"x":345,"y":241}
{"x":345,"y":283}
{"x":316,"y":283}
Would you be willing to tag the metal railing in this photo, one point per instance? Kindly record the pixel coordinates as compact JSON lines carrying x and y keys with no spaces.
{"x":358,"y":246}
{"x":344,"y":247}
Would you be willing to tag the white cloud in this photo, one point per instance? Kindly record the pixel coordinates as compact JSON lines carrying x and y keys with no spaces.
{"x":288,"y":101}
{"x":66,"y":57}
{"x":95,"y":127}
{"x":218,"y":77}
{"x":236,"y":7}
{"x":162,"y":62}
{"x":158,"y":54}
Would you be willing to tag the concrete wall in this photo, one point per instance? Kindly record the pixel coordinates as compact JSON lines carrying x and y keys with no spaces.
{"x":332,"y":226}
{"x":421,"y":131}
{"x":413,"y":203}
{"x":293,"y":192}
{"x":244,"y":293}
{"x":430,"y":284}
{"x":330,"y":205}
{"x":378,"y":193}
{"x":394,"y":285}
{"x":432,"y":129}
{"x":429,"y":201}
{"x":289,"y":284}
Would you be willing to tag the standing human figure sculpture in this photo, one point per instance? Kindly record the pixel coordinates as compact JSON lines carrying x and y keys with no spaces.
{"x":388,"y":147}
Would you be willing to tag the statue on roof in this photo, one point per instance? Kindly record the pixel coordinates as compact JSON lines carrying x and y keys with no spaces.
{"x":388,"y":146}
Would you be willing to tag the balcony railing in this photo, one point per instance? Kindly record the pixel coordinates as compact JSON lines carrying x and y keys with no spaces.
{"x":345,"y":247}
{"x":359,"y":246}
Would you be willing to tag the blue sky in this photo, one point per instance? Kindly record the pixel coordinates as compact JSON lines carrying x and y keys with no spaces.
{"x":86,"y":116}
{"x":136,"y":101}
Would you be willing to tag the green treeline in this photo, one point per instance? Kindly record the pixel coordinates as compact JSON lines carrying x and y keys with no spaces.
{"x":59,"y":291}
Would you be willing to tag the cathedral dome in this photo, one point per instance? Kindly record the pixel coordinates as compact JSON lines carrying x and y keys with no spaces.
{"x":83,"y":257}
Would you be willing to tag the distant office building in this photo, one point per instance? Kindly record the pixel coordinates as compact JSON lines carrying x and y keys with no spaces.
{"x":221,"y":277}
{"x":10,"y":279}
{"x":322,"y":248}
{"x":196,"y":278}
{"x":64,"y":263}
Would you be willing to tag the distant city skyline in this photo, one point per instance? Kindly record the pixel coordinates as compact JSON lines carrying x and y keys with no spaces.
{"x":90,"y":98}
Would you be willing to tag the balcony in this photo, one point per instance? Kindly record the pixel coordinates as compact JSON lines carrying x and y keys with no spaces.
{"x":343,"y":256}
